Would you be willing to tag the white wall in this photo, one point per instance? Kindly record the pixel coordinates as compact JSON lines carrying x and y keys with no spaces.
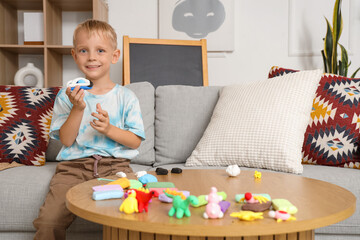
{"x":261,"y":35}
{"x":284,"y":33}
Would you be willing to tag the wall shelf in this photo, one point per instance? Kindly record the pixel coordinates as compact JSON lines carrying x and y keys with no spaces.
{"x":52,"y":50}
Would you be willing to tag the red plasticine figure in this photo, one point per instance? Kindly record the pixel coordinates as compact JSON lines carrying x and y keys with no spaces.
{"x":143,"y":197}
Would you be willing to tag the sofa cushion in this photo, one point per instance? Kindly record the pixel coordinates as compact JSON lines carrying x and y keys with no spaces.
{"x":260,"y":124}
{"x":182,"y":114}
{"x":25,"y":116}
{"x":332,"y":135}
{"x":145,"y":92}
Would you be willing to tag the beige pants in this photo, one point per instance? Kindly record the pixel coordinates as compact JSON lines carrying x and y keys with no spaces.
{"x":54,"y":218}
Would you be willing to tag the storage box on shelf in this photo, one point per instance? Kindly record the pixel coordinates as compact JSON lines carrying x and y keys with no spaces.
{"x":52,"y":50}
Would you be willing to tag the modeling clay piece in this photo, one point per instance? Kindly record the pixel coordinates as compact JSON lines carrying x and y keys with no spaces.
{"x":147,"y":178}
{"x":176,"y":170}
{"x":82,"y":82}
{"x":107,"y":188}
{"x":160,"y":185}
{"x":130,"y":204}
{"x":140,"y":173}
{"x":250,"y":198}
{"x":110,"y":194}
{"x":247,"y":215}
{"x":180,"y":206}
{"x":166,"y":199}
{"x":143,"y":197}
{"x":213,"y":209}
{"x":257,"y":175}
{"x":281,"y":216}
{"x":135,"y":184}
{"x":120,"y":174}
{"x":203,"y":201}
{"x":256,"y":207}
{"x":224,"y":205}
{"x":123,"y":182}
{"x":233,"y":170}
{"x":284,"y":205}
{"x":161,"y":171}
{"x":240,"y":197}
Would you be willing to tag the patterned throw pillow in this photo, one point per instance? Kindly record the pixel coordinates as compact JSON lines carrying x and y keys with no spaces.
{"x":25,"y":117}
{"x":332,"y":136}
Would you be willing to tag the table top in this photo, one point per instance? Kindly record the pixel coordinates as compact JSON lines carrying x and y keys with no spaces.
{"x":319,"y":204}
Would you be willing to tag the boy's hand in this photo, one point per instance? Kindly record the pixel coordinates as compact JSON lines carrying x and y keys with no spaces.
{"x":76,"y":97}
{"x":102,"y":123}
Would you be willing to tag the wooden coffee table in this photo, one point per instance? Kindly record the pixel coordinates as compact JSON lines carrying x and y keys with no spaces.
{"x":319,"y":204}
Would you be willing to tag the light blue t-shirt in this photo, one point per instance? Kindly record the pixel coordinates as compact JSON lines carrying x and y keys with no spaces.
{"x":124,"y":112}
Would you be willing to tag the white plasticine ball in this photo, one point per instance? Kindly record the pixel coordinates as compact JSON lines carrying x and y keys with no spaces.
{"x":233,"y":170}
{"x":140,"y":173}
{"x":121,"y":174}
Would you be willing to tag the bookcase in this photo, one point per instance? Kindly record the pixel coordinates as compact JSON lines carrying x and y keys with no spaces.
{"x":52,"y":50}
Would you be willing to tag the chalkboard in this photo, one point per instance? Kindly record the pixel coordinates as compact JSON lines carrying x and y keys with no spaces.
{"x":165,"y":62}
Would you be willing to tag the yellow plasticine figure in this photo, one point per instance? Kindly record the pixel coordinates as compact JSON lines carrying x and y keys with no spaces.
{"x":247,"y":215}
{"x":130,"y":204}
{"x":257,"y":175}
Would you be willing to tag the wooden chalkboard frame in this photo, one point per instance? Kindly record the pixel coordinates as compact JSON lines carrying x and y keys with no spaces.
{"x":127,"y":41}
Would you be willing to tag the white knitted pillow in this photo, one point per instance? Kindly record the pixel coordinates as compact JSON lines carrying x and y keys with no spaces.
{"x":260,"y":124}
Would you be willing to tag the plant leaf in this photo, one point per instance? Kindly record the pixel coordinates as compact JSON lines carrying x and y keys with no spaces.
{"x":337,"y":28}
{"x":353,"y":75}
{"x":324,"y":61}
{"x":337,"y":21}
{"x":328,"y":47}
{"x":345,"y":62}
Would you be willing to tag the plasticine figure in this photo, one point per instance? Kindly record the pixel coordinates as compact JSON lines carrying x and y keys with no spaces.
{"x":247,"y":215}
{"x":253,"y":199}
{"x":130,"y":204}
{"x":180,"y":206}
{"x":213,"y":209}
{"x":143,"y":198}
{"x":281,"y":216}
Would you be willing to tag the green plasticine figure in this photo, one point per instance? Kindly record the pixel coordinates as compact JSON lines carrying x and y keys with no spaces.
{"x":181,"y":206}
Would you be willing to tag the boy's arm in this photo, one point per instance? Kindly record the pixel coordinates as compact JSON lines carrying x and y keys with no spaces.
{"x":126,"y":138}
{"x":69,"y":130}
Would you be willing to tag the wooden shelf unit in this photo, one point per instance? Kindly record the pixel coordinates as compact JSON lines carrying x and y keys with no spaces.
{"x":52,"y":50}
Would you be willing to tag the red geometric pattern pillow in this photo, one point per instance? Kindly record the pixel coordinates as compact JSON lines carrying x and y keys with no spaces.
{"x":25,"y":117}
{"x":333,"y":134}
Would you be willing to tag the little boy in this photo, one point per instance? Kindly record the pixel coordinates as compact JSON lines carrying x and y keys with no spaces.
{"x":100,"y":128}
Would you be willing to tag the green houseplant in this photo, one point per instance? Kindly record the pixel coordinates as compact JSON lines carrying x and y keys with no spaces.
{"x":331,"y":43}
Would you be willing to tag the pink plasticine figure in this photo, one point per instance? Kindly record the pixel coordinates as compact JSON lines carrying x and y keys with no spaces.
{"x":213,"y":209}
{"x":281,"y":216}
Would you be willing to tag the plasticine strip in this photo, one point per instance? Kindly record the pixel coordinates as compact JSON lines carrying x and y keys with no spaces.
{"x":102,"y":195}
{"x":107,"y":188}
{"x":160,"y":185}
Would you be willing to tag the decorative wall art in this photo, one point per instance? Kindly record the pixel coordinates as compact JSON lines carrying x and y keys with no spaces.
{"x":197,"y":19}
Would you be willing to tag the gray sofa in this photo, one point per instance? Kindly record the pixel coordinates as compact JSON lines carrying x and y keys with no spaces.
{"x":175,"y":118}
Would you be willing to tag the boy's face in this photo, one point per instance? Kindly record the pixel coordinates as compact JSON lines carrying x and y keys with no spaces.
{"x":94,"y":53}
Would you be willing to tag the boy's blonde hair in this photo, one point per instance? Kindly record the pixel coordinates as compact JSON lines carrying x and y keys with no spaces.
{"x":92,"y":26}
